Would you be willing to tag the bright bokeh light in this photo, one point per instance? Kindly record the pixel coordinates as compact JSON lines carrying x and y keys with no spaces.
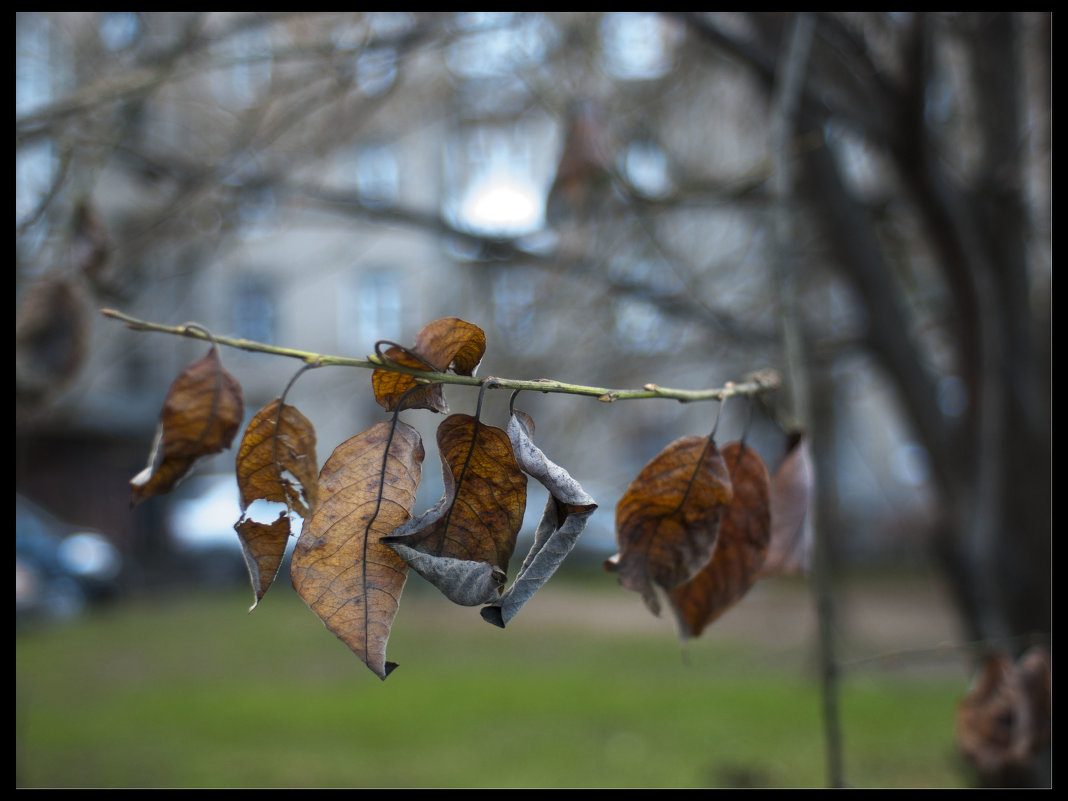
{"x":647,"y":169}
{"x":501,"y":205}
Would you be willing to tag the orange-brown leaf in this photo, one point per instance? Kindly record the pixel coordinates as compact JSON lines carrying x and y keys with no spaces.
{"x":273,"y":445}
{"x":668,"y":519}
{"x":744,"y":534}
{"x":1035,"y":668}
{"x":201,"y":415}
{"x":480,"y":513}
{"x":263,"y":545}
{"x":449,"y":342}
{"x":1005,"y":718}
{"x":340,"y":567}
{"x":51,"y":335}
{"x":791,"y":524}
{"x":390,"y":387}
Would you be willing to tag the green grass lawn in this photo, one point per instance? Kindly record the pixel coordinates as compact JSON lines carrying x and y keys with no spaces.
{"x":193,"y":692}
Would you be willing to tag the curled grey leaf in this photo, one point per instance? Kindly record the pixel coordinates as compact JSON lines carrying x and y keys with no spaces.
{"x":792,"y":489}
{"x":563,"y":520}
{"x":553,"y":541}
{"x":461,"y":581}
{"x":535,"y":463}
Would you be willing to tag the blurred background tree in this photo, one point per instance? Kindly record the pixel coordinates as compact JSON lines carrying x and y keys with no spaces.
{"x":597,"y":191}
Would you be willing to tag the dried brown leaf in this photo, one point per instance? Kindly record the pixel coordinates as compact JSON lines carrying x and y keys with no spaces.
{"x":668,"y":519}
{"x":51,"y":334}
{"x":791,"y":526}
{"x":201,"y":415}
{"x":584,"y":172}
{"x":478,"y":516}
{"x":274,"y":445}
{"x":1005,"y":718}
{"x":263,"y":545}
{"x":566,"y":511}
{"x":1035,"y":669}
{"x":992,"y":719}
{"x":340,"y":567}
{"x":443,"y":344}
{"x":744,"y":534}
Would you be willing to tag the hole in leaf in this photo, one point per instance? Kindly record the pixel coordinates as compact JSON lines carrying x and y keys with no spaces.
{"x":265,"y":511}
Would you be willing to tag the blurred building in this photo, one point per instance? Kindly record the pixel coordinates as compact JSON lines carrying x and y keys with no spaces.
{"x":323,"y":181}
{"x":265,"y":177}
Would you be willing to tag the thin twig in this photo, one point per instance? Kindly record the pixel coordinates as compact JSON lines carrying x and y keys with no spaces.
{"x":754,"y":384}
{"x":788,"y":92}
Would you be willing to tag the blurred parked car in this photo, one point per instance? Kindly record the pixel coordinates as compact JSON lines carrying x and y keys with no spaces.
{"x":59,"y":568}
{"x":201,"y":528}
{"x":204,"y":509}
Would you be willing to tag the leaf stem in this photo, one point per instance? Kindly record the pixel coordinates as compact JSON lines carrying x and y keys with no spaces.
{"x":755,"y":384}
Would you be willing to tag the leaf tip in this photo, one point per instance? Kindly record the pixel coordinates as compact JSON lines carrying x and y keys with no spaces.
{"x":685,"y":631}
{"x":494,"y":615}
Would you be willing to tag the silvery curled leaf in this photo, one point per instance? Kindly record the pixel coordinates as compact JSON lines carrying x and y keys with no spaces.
{"x":566,"y":512}
{"x":462,"y":581}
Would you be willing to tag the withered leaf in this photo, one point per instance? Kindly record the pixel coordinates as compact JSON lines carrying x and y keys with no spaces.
{"x":340,"y":567}
{"x":566,"y":511}
{"x":51,"y":332}
{"x":1005,"y":718}
{"x":668,"y":519}
{"x":478,"y":517}
{"x":263,"y":546}
{"x":201,"y":416}
{"x":791,"y":526}
{"x":443,"y":344}
{"x":744,"y":534}
{"x":275,"y":444}
{"x":1035,"y":668}
{"x":584,"y":172}
{"x":463,"y":581}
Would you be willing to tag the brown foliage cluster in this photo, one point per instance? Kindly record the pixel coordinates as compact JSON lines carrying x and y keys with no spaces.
{"x":1006,"y":719}
{"x":701,"y":524}
{"x":697,"y":522}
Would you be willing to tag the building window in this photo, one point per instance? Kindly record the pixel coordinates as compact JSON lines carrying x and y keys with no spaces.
{"x":253,"y":309}
{"x":638,"y":46}
{"x":246,"y":57}
{"x":495,"y":180}
{"x":33,"y":63}
{"x":495,"y":44}
{"x":376,"y":70}
{"x":377,"y":176}
{"x":119,"y":30}
{"x":641,"y":327}
{"x":496,"y":173}
{"x":35,"y":162}
{"x":514,"y":299}
{"x":369,"y":309}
